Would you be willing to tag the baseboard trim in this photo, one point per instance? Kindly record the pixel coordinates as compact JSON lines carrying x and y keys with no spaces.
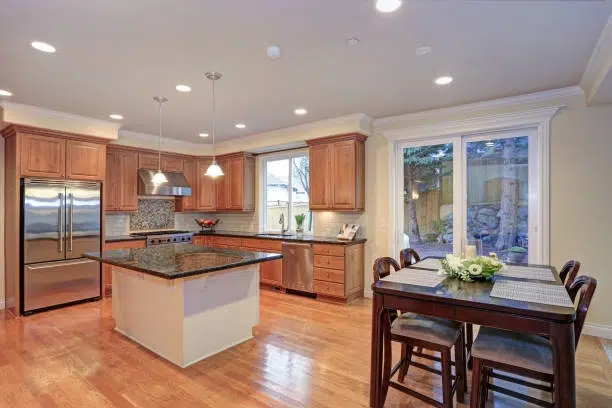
{"x":598,"y":330}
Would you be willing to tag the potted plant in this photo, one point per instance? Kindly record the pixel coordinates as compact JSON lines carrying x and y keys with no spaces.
{"x":299,"y":222}
{"x":516,"y":254}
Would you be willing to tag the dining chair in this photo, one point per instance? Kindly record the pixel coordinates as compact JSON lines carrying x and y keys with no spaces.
{"x":568,"y":273}
{"x":407,"y":255}
{"x":413,"y":330}
{"x":527,"y":355}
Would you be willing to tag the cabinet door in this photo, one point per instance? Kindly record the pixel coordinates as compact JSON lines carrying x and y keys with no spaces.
{"x":320,"y":177}
{"x":190,"y":171}
{"x":170,"y":163}
{"x":271,"y":272}
{"x":343,"y":174}
{"x":148,"y":161}
{"x":111,"y":181}
{"x":128,"y":181}
{"x":85,"y":160}
{"x":206,"y":191}
{"x":222,"y":185}
{"x":236,"y":183}
{"x":43,"y":156}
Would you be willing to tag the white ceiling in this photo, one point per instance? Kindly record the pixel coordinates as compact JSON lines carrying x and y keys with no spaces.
{"x":114,"y":55}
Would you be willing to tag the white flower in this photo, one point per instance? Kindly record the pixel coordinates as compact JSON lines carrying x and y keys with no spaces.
{"x":475,"y":269}
{"x":493,"y":255}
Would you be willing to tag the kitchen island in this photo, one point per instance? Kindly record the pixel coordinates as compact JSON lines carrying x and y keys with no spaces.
{"x":185,"y":302}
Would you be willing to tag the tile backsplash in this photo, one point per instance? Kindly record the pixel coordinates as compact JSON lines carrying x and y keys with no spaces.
{"x":153,"y":214}
{"x":328,"y":223}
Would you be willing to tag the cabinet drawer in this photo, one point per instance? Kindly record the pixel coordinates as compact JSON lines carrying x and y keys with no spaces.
{"x":125,"y":245}
{"x":329,"y":288}
{"x":263,"y":244}
{"x":334,"y":250}
{"x":228,"y":241}
{"x":329,"y":275}
{"x":332,"y":262}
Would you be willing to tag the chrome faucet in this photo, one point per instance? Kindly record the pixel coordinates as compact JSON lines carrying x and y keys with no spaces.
{"x":282,"y":223}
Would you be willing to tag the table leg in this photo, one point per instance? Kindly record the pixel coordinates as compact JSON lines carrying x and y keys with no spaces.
{"x":564,"y":362}
{"x":377,"y":348}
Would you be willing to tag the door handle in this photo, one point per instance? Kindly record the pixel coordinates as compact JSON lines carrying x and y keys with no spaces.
{"x":56,"y":264}
{"x":71,"y":196}
{"x":61,"y":223}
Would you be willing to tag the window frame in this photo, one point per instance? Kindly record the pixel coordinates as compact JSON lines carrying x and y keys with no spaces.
{"x":263,"y":213}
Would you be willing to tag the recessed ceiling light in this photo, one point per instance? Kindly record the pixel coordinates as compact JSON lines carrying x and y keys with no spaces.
{"x":443,"y":80}
{"x":203,"y":134}
{"x":240,"y":125}
{"x":388,"y":6}
{"x":183,"y":88}
{"x":353,"y":41}
{"x":426,"y":49}
{"x":42,"y":46}
{"x":300,"y":111}
{"x":4,"y":92}
{"x":115,"y":116}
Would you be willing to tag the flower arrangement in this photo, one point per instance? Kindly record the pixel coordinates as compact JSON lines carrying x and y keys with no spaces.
{"x":471,"y":269}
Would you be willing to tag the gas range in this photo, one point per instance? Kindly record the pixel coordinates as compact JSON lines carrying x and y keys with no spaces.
{"x":165,"y":237}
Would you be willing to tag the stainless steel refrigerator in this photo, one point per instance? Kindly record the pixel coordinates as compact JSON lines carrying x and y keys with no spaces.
{"x":60,"y":221}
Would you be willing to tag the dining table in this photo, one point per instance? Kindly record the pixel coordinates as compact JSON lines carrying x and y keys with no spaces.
{"x":471,"y":302}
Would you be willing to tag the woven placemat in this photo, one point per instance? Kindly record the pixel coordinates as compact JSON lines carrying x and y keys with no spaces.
{"x":416,"y":277}
{"x":533,"y":292}
{"x":432,"y":264}
{"x":527,"y":272}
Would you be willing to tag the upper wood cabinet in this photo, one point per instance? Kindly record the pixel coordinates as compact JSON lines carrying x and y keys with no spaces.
{"x":43,"y":156}
{"x":236,"y":188}
{"x":121,"y":180}
{"x":337,"y":173}
{"x":85,"y":160}
{"x":56,"y":157}
{"x":148,"y":161}
{"x":206,"y":191}
{"x":172,"y":163}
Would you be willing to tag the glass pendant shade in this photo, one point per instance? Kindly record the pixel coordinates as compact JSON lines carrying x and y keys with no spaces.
{"x":159,"y":178}
{"x":214,"y":170}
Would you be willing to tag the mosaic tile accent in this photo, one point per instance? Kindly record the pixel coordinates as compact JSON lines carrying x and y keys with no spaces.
{"x":153,"y":214}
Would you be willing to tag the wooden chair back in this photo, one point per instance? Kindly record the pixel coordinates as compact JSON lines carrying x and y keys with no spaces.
{"x":585,"y":285}
{"x":406,"y":257}
{"x":569,"y":271}
{"x":382,"y":267}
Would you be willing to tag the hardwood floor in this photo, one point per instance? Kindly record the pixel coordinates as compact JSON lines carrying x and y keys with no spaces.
{"x":305,"y":354}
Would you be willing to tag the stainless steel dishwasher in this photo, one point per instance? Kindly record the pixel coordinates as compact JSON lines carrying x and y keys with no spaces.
{"x":298,"y":269}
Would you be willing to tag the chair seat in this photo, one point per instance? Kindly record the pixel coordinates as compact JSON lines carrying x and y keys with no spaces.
{"x":434,"y":330}
{"x":515,"y":349}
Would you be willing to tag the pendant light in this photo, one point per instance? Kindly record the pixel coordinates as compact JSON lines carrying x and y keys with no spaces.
{"x":159,"y":177}
{"x":213,"y":170}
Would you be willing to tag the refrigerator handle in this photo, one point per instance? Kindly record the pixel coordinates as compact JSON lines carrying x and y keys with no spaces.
{"x":61,"y":223}
{"x":71,"y":197}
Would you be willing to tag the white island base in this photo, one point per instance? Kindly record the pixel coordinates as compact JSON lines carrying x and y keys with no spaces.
{"x":188,"y":319}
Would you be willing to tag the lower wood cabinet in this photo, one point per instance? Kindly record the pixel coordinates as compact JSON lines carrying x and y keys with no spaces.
{"x":338,"y":271}
{"x":107,"y":270}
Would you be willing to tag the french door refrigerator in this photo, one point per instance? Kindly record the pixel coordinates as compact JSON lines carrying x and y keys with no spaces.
{"x":60,"y":221}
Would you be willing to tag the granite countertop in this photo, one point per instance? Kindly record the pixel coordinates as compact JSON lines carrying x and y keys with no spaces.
{"x":119,"y":238}
{"x":173,"y":261}
{"x":317,"y":239}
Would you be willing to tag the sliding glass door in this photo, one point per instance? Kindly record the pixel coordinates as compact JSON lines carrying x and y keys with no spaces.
{"x":480,"y":190}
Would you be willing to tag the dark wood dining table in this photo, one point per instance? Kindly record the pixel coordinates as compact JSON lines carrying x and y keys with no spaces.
{"x":470,"y":302}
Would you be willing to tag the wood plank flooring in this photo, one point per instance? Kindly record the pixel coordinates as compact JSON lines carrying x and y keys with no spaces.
{"x":305,"y":354}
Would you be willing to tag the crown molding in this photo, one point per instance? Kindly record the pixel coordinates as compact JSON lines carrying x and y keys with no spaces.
{"x":35,"y":116}
{"x":146,"y":141}
{"x":598,"y":68}
{"x":555,"y":97}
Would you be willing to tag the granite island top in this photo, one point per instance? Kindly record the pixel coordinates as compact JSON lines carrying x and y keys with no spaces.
{"x":315,"y":239}
{"x":174,"y":261}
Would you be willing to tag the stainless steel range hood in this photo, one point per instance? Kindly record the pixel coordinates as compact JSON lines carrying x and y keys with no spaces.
{"x":176,"y":186}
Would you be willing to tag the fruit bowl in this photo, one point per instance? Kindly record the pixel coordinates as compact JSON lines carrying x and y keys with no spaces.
{"x":207,"y":225}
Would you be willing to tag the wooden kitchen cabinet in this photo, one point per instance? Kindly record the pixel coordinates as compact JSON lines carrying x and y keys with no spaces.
{"x":338,"y":271}
{"x":43,"y":156}
{"x":107,"y":270}
{"x":172,"y":163}
{"x":206,"y":187}
{"x":270,"y":272}
{"x":235,"y":190}
{"x":148,"y":161}
{"x":189,"y":203}
{"x":337,"y":173}
{"x":85,"y":160}
{"x":121,"y":180}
